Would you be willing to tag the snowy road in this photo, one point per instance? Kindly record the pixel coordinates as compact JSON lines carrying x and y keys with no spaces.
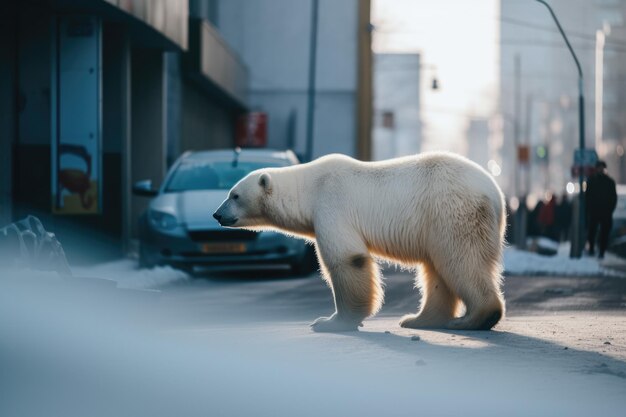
{"x":235,"y":345}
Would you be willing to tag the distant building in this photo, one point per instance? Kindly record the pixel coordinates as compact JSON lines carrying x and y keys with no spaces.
{"x":397,"y":129}
{"x":477,"y":139}
{"x":548,"y":100}
{"x":613,"y":132}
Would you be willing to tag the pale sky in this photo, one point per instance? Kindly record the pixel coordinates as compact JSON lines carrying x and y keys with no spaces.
{"x":458,"y":37}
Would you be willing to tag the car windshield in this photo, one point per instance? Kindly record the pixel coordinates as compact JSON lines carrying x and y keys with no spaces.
{"x":213,"y":175}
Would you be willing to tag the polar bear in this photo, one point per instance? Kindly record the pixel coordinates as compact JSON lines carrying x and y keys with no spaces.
{"x":437,"y":211}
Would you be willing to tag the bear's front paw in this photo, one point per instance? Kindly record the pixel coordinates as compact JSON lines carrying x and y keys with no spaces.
{"x":334,"y":324}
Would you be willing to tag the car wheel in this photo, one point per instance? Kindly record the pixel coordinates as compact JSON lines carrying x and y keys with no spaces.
{"x":306,"y":264}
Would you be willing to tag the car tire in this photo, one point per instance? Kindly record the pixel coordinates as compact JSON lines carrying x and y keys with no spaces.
{"x":307,"y":263}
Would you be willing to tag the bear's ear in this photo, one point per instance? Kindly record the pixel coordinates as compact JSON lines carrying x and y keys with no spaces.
{"x":265,"y":181}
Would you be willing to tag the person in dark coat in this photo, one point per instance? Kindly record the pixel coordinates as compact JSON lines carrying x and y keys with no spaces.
{"x":600,"y":201}
{"x":564,"y":218}
{"x":547,"y":218}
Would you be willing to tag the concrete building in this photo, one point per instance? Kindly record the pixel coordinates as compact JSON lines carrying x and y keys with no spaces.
{"x":546,"y":107}
{"x":273,"y":37}
{"x":397,"y":129}
{"x":95,"y":95}
{"x":478,"y":135}
{"x":98,"y":94}
{"x":611,"y":134}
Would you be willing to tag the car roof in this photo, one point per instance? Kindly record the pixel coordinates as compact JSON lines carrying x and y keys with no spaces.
{"x":245,"y":155}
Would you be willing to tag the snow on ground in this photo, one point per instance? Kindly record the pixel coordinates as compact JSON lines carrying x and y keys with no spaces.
{"x":127,"y":274}
{"x":520,"y":262}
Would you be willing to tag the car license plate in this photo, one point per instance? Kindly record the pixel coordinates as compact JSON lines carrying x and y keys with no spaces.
{"x":223,"y":248}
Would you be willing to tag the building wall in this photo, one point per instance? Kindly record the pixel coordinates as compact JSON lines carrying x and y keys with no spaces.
{"x":397,"y":93}
{"x":32,"y":157}
{"x":273,"y":38}
{"x":174,"y":97}
{"x":478,"y":134}
{"x":205,"y":123}
{"x":155,"y":108}
{"x":614,"y":94}
{"x":149,"y":123}
{"x":28,"y":133}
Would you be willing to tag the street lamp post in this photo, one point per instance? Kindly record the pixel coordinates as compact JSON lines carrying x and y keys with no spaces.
{"x":577,"y":238}
{"x":521,"y":215}
{"x":600,"y":41}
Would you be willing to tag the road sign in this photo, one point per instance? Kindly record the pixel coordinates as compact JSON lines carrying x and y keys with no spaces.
{"x":585,"y":161}
{"x":588,"y":157}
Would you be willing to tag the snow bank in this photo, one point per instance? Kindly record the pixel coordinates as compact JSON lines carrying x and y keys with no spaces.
{"x":127,"y":275}
{"x":519,"y":262}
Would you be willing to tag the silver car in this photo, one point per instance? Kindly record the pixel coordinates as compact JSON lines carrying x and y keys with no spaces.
{"x":179,"y":230}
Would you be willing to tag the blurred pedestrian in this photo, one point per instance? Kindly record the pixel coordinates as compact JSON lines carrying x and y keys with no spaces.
{"x":533,"y":225}
{"x":546,"y":218}
{"x":600,"y":201}
{"x":564,"y":218}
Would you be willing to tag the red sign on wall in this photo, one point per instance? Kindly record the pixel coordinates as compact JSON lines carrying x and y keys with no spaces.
{"x":251,"y":130}
{"x":523,"y":154}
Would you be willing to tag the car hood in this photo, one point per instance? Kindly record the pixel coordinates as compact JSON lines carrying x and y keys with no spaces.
{"x":193,"y":208}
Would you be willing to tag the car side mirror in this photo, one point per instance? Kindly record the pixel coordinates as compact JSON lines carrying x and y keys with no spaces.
{"x":144,"y":188}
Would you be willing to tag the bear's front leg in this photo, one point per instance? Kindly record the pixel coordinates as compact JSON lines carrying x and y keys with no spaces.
{"x":354,"y":279}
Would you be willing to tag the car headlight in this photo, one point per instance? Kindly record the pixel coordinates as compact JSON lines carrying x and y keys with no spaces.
{"x":161,"y":220}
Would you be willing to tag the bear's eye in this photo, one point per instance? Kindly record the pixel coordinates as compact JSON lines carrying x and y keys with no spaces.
{"x":235,"y":196}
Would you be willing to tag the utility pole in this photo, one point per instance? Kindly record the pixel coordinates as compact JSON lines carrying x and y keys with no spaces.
{"x":578,"y":241}
{"x":529,"y":129}
{"x":600,"y":40}
{"x":520,"y":214}
{"x":310,"y":120}
{"x":516,"y":124}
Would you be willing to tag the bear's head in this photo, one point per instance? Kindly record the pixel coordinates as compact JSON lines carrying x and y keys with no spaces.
{"x":247,"y":201}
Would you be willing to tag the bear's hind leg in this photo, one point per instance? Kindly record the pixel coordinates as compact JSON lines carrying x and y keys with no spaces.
{"x":480,"y":292}
{"x":473,"y":270}
{"x":438,"y":305}
{"x":355,"y":281}
{"x":481,"y":316}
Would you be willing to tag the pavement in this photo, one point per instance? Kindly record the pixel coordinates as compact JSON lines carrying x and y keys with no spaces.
{"x":561,"y":347}
{"x":239,"y":344}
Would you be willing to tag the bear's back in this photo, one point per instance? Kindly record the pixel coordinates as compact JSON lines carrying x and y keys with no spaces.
{"x":431,"y":172}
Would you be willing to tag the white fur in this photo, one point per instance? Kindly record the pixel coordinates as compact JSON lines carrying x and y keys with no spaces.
{"x":438,"y":211}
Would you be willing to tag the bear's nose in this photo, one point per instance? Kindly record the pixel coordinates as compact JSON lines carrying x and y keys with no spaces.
{"x":217,"y":216}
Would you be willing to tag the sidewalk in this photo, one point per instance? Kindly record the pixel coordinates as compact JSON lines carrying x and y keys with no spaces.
{"x":518,"y":262}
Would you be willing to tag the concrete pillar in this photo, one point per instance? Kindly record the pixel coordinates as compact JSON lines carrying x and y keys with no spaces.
{"x":7,"y":113}
{"x":117,"y":127}
{"x":148,"y":125}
